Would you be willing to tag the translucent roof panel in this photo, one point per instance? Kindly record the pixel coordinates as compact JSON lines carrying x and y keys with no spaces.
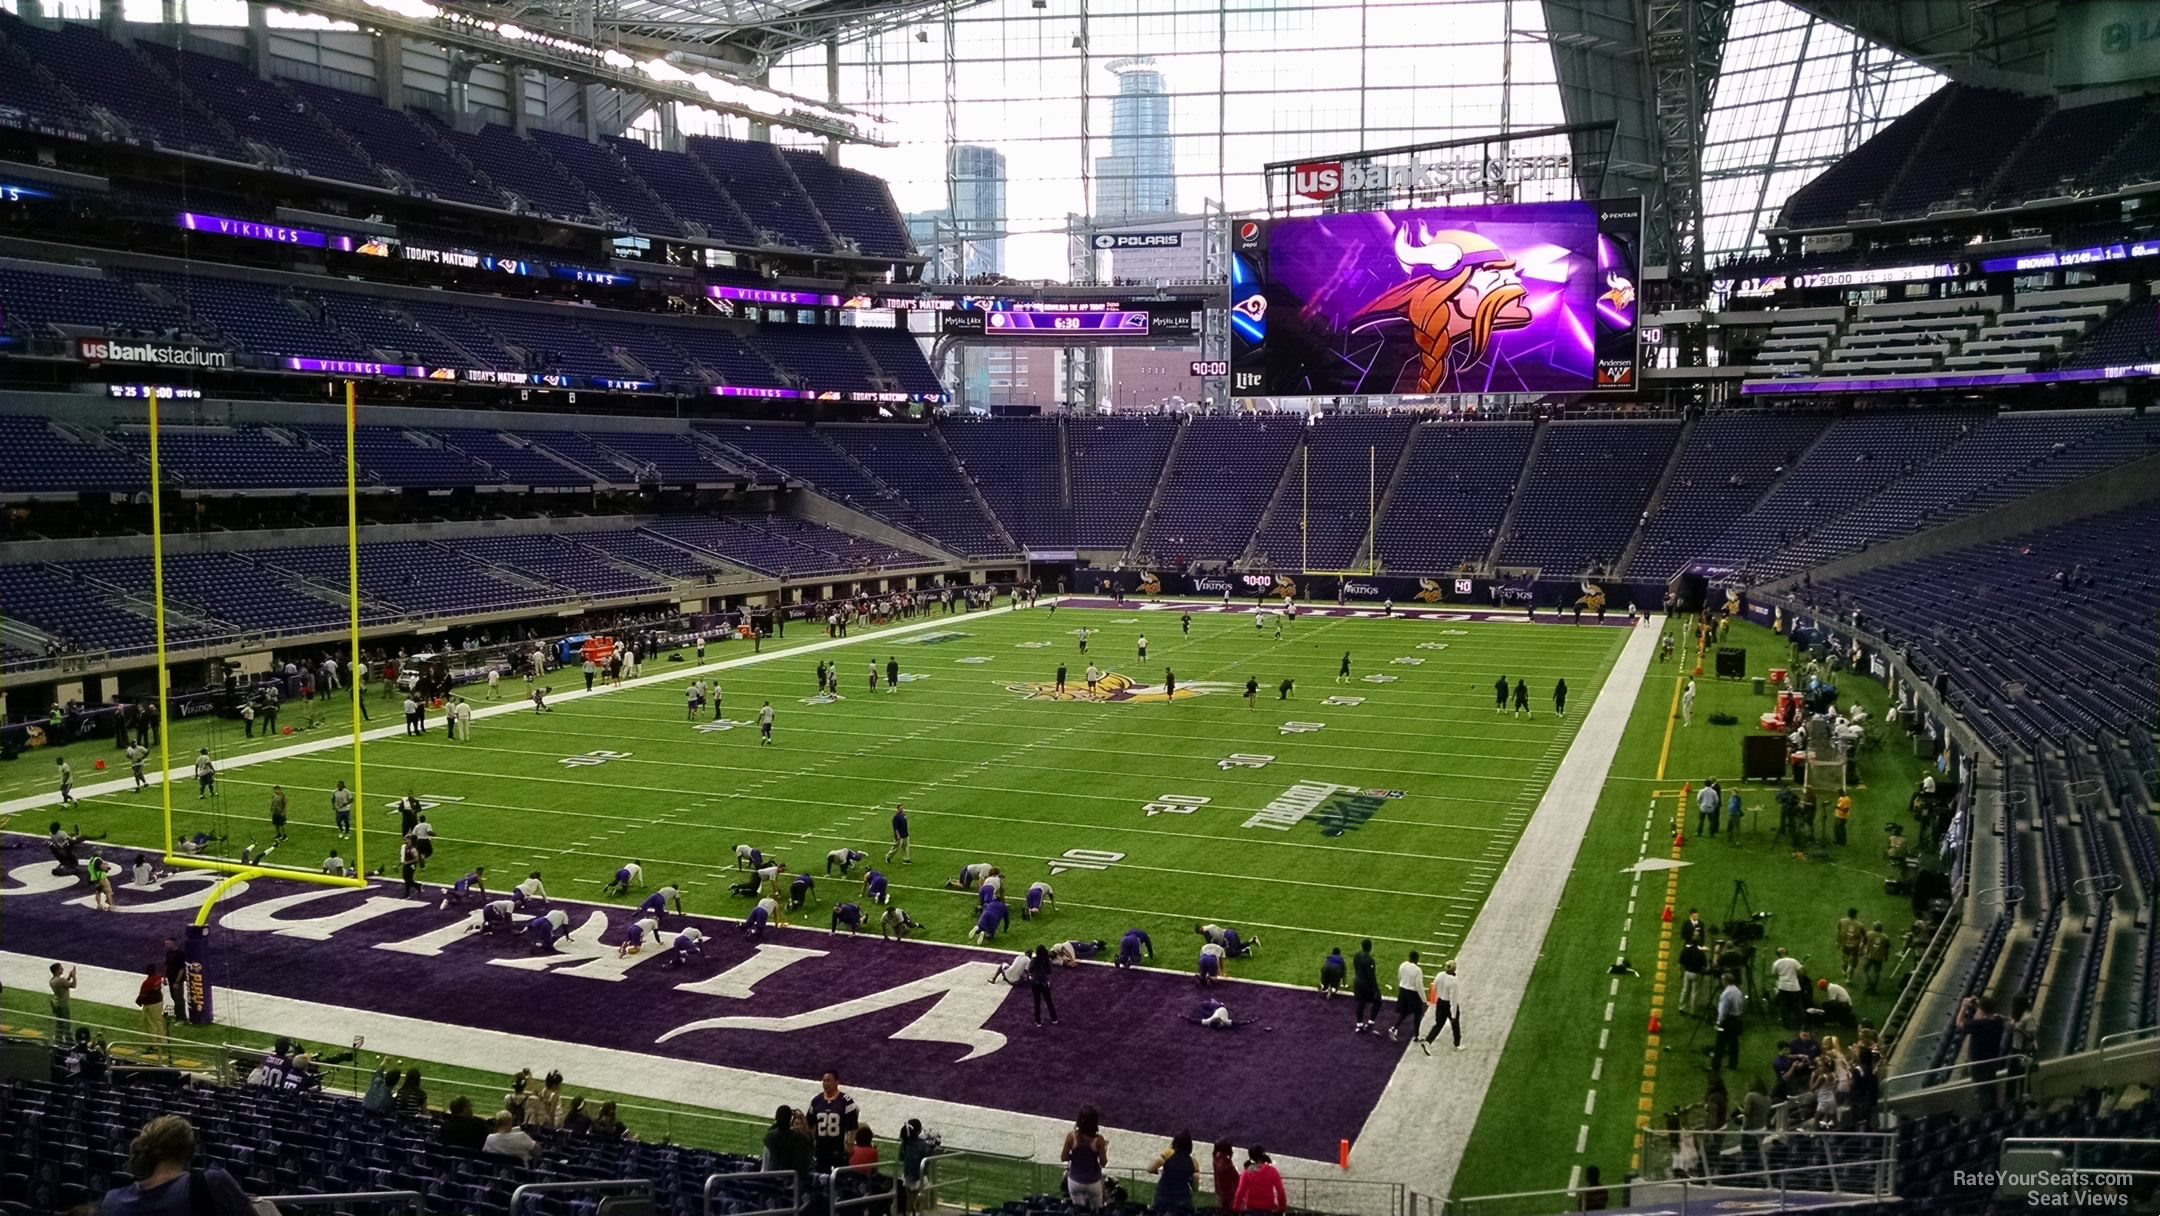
{"x":1795,"y":93}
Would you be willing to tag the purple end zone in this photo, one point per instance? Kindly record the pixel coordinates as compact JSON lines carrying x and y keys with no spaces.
{"x":1292,"y":1075}
{"x":1242,"y":607}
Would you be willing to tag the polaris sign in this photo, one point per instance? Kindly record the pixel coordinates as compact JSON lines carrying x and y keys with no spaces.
{"x":165,"y":354}
{"x":1323,"y":180}
{"x":1139,"y":240}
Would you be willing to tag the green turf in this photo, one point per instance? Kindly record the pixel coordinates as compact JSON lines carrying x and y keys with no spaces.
{"x":989,"y":775}
{"x":1527,"y":1133}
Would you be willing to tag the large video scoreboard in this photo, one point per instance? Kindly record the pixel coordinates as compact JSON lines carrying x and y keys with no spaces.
{"x":1506,"y":298}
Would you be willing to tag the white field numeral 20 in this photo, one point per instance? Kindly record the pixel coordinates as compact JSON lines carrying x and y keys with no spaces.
{"x":1175,"y":804}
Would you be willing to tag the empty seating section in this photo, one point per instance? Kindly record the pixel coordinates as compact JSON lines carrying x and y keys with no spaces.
{"x":2028,"y":661}
{"x":559,"y":560}
{"x":581,"y":451}
{"x":647,"y":345}
{"x":1588,"y":485}
{"x":2038,"y":327}
{"x":461,"y":331}
{"x":1115,"y":464}
{"x":1855,"y":458}
{"x":62,"y":603}
{"x":71,"y":1144}
{"x":262,"y":113}
{"x":251,"y":316}
{"x":739,"y":192}
{"x":518,"y":167}
{"x":549,"y":343}
{"x":690,"y":192}
{"x":2065,"y":147}
{"x":913,"y":463}
{"x":671,"y":456}
{"x":1446,"y":508}
{"x":609,"y":181}
{"x":1017,"y":464}
{"x":28,"y":99}
{"x":1963,"y":150}
{"x":394,"y":140}
{"x":1220,"y":480}
{"x":1946,"y":487}
{"x":45,"y":458}
{"x":854,"y":204}
{"x":35,"y":299}
{"x":241,"y":457}
{"x":783,"y":545}
{"x":391,"y":333}
{"x":759,"y":181}
{"x":2131,"y":339}
{"x":820,"y":359}
{"x":727,"y":356}
{"x":1865,"y":174}
{"x":414,"y":577}
{"x":1970,"y":146}
{"x":804,"y":455}
{"x":900,"y":357}
{"x":107,"y":77}
{"x":399,"y":457}
{"x":225,"y":586}
{"x":1321,"y":518}
{"x":1726,"y":464}
{"x":520,"y":460}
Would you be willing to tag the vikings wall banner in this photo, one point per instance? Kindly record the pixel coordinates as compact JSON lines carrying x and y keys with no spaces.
{"x":1507,"y":298}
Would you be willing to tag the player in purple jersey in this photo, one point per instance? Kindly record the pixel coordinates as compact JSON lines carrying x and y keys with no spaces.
{"x":972,"y":876}
{"x":995,"y":916}
{"x":497,"y":915}
{"x":1038,"y":894}
{"x":687,"y":944}
{"x":1233,"y":945}
{"x":873,"y":885}
{"x":474,"y":881}
{"x":761,"y":916}
{"x":748,"y":857}
{"x":548,"y":928}
{"x":636,"y":934}
{"x":849,"y":915}
{"x":629,"y":874}
{"x":658,"y":902}
{"x":801,"y":891}
{"x":1211,"y":961}
{"x":844,"y":858}
{"x":1130,"y":946}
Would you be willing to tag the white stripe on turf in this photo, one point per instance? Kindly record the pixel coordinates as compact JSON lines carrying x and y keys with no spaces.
{"x":1417,"y":1132}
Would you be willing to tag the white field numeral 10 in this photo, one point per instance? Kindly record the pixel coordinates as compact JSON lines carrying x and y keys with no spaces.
{"x":1084,"y":859}
{"x":1175,"y":804}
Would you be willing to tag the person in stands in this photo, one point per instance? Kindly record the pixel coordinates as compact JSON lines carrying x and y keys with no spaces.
{"x":1260,"y":1187}
{"x":1084,"y":1154}
{"x":162,"y":1159}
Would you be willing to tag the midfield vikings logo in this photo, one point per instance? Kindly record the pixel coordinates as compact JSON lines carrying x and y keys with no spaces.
{"x":1117,"y":688}
{"x":1467,"y":289}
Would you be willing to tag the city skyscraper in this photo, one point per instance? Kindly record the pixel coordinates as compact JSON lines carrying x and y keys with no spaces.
{"x":966,"y":237}
{"x":1139,"y":176}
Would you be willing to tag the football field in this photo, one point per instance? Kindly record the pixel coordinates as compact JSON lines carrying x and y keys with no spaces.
{"x":1381,"y":807}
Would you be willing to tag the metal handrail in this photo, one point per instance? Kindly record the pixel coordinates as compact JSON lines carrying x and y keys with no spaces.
{"x":2011,"y":1143}
{"x":2142,"y":1032}
{"x":833,"y":1203}
{"x":2010,"y":1066}
{"x":794,"y":1180}
{"x":626,"y":1186}
{"x":411,"y":1200}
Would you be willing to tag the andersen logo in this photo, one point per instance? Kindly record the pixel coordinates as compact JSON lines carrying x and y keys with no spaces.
{"x":105,"y":350}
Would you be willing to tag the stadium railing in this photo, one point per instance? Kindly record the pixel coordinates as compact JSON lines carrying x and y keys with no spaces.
{"x":1959,"y":1088}
{"x":714,"y":1182}
{"x":1794,"y":1190}
{"x":373,"y":1201}
{"x":636,"y":1187}
{"x":1838,"y":1158}
{"x":2033,"y":1166}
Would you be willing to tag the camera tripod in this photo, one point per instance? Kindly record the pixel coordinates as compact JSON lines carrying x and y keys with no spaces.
{"x":1741,"y":899}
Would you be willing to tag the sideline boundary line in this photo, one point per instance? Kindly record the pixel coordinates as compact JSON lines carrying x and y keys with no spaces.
{"x":1418,"y":1131}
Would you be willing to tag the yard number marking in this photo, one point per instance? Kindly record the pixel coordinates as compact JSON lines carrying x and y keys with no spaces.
{"x":1084,"y":859}
{"x":589,"y":759}
{"x":1175,"y":804}
{"x":1244,"y":760}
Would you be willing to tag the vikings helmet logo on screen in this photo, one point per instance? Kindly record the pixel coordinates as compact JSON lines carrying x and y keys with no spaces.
{"x":1429,"y":592}
{"x":1150,"y":583}
{"x":1466,"y":290}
